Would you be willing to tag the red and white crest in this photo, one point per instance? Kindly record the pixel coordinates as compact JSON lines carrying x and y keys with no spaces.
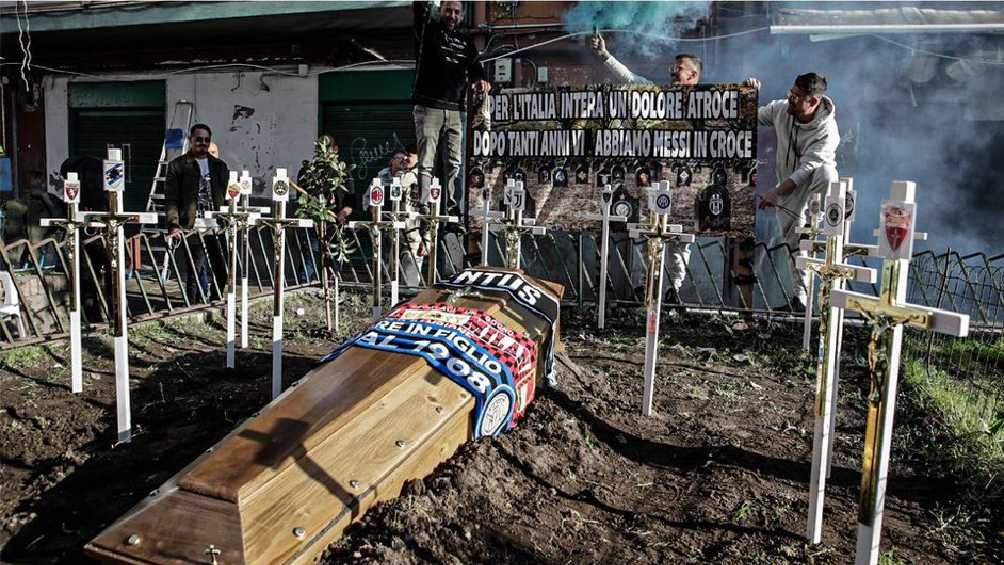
{"x":897,"y":226}
{"x":376,"y":195}
{"x":896,"y":229}
{"x":432,"y":192}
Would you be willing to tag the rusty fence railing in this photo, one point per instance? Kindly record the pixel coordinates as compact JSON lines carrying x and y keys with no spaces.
{"x":970,"y":284}
{"x":157,"y":280}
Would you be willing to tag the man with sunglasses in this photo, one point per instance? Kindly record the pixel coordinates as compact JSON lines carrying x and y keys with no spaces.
{"x":195,"y":182}
{"x":807,"y":139}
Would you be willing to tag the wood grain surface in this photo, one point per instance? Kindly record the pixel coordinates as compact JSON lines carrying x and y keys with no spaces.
{"x":287,"y":482}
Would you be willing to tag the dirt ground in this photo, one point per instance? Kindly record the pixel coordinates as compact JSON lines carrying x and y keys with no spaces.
{"x":718,"y":475}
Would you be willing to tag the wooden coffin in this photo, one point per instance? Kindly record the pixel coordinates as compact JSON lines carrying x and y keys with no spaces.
{"x":288,"y":481}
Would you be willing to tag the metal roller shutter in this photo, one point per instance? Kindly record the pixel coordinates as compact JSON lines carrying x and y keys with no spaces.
{"x":124,"y":114}
{"x":369,"y":114}
{"x":140,"y":134}
{"x":368,"y":134}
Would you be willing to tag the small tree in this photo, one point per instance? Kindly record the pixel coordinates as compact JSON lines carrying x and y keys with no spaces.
{"x":322,"y":185}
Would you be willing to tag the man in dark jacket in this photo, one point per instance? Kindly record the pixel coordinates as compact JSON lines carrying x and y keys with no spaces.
{"x":447,"y":63}
{"x":195,"y":182}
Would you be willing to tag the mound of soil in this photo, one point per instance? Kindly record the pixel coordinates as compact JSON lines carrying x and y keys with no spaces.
{"x":719,"y":473}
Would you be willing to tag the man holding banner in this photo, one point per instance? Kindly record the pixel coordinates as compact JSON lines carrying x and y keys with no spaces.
{"x":807,"y":140}
{"x":686,"y":71}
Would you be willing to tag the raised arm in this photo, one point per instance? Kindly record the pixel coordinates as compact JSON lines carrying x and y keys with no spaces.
{"x":619,"y":70}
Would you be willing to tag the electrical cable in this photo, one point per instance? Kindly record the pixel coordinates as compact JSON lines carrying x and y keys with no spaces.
{"x":54,"y":70}
{"x":652,"y":35}
{"x":268,"y":69}
{"x":27,"y":33}
{"x":364,"y":63}
{"x":225,"y":65}
{"x":20,"y":41}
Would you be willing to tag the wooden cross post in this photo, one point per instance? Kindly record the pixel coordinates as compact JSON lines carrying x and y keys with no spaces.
{"x":245,"y":228}
{"x":811,"y":231}
{"x":887,"y":314}
{"x":114,"y":221}
{"x":656,"y":233}
{"x":489,"y":218}
{"x":73,"y":223}
{"x":515,"y":224}
{"x":279,"y":224}
{"x":832,"y":272}
{"x":606,"y":200}
{"x":236,"y":221}
{"x":396,"y":196}
{"x":376,"y":199}
{"x":430,"y":199}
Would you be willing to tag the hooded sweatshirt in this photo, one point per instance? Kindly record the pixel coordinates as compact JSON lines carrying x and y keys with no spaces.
{"x":802,"y":148}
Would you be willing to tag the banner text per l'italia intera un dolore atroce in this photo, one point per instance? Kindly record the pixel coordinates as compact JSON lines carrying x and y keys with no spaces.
{"x":565,"y":144}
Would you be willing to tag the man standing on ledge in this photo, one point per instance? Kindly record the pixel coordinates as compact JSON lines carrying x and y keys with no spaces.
{"x":195,"y":182}
{"x":807,"y":139}
{"x":447,"y":63}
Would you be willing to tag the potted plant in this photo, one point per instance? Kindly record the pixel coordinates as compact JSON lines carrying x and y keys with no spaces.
{"x":323,"y":185}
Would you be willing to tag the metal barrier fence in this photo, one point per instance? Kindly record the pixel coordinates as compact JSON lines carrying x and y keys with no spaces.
{"x":969,"y":284}
{"x":157,"y":279}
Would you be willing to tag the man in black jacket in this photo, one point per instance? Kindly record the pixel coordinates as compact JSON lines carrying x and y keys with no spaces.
{"x":195,"y":182}
{"x":447,"y":63}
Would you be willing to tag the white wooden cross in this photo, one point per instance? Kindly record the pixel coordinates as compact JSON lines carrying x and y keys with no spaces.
{"x":237,"y":221}
{"x":489,"y":218}
{"x":813,"y":246}
{"x":832,"y":272}
{"x":811,"y":231}
{"x":656,"y":233}
{"x":396,"y":214}
{"x":515,"y":224}
{"x":375,"y":198}
{"x":113,"y":221}
{"x":73,"y":223}
{"x":430,"y":199}
{"x":606,"y":200}
{"x":279,"y":223}
{"x":247,"y":186}
{"x":887,"y":314}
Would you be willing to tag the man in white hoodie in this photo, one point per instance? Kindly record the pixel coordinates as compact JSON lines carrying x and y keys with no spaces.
{"x":807,"y":140}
